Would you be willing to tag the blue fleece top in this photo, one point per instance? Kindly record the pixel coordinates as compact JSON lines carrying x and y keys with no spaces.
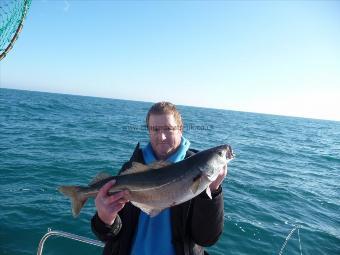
{"x":154,"y":234}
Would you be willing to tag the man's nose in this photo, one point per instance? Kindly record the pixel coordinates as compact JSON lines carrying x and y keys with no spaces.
{"x":162,"y":136}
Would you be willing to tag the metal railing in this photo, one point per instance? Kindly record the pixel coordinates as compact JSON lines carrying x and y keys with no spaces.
{"x":51,"y":232}
{"x":297,"y":227}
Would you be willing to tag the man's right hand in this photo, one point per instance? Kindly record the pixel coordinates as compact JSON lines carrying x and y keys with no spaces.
{"x":108,"y":206}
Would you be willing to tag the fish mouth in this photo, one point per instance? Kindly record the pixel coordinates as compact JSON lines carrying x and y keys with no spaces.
{"x":225,"y":152}
{"x":230,"y":153}
{"x":224,"y":155}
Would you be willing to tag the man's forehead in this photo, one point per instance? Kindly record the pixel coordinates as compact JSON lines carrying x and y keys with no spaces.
{"x":163,"y":119}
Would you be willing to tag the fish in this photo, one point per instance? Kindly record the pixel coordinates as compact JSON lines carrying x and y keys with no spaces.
{"x":159,"y":185}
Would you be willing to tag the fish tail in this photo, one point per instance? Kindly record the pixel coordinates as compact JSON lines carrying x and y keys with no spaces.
{"x":77,"y":199}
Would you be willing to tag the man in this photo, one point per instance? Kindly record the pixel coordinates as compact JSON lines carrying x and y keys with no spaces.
{"x":182,"y":229}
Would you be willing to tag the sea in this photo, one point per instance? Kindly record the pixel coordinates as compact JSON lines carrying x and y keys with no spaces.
{"x":281,"y":194}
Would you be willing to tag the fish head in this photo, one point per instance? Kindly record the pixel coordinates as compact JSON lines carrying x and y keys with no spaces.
{"x":215,"y":159}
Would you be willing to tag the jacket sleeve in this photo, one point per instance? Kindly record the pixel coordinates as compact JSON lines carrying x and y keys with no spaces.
{"x":207,"y":218}
{"x":103,"y":231}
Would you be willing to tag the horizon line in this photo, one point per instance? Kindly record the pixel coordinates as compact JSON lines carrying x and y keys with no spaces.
{"x":196,"y":106}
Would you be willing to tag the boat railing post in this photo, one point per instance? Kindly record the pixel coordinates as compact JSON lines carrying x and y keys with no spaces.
{"x":78,"y":238}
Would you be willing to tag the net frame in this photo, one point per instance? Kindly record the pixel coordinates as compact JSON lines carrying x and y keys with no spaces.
{"x":10,"y":30}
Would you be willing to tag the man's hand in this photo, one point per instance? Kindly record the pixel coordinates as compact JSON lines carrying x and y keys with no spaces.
{"x":109,"y":206}
{"x":216,"y":184}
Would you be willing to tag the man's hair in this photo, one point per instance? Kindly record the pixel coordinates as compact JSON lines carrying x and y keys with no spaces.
{"x":165,"y":108}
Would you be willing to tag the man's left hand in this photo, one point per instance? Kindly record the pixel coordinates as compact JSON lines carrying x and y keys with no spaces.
{"x":216,"y":184}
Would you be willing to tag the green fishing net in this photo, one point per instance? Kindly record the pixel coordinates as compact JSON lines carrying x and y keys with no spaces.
{"x":12,"y":15}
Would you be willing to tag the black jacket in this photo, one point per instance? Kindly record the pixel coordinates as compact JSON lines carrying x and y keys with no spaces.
{"x":195,"y":223}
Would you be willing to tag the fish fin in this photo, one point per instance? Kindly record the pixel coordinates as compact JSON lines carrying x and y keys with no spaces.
{"x":152,"y":212}
{"x":136,"y":167}
{"x":99,"y":177}
{"x":158,"y":164}
{"x":196,"y":183}
{"x":77,"y":199}
{"x":139,"y":167}
{"x":208,"y":191}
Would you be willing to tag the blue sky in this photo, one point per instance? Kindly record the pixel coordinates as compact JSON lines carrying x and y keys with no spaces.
{"x":256,"y":56}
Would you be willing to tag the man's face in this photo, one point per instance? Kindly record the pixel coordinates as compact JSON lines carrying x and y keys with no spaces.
{"x":165,"y":135}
